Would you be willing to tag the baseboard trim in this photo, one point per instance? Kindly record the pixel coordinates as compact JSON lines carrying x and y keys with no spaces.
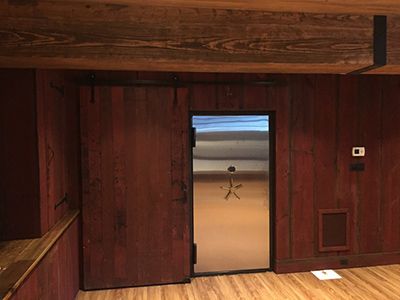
{"x":336,"y":262}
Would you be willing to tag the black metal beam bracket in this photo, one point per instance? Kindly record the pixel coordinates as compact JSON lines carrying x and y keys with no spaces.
{"x":380,"y":46}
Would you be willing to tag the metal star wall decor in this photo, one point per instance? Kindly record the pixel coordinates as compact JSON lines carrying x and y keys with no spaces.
{"x":231,"y":188}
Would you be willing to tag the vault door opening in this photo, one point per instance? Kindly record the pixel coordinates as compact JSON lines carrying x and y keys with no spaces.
{"x":231,"y":215}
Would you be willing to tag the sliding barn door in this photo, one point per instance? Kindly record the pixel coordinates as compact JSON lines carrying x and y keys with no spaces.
{"x":134,"y":166}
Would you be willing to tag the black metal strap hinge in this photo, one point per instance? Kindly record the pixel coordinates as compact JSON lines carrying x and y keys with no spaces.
{"x":92,"y":81}
{"x":61,"y":201}
{"x":194,"y":254}
{"x":193,"y":137}
{"x":60,"y":89}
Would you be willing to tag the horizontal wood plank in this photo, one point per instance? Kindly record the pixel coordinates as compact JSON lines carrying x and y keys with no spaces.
{"x":372,"y":7}
{"x":88,"y":35}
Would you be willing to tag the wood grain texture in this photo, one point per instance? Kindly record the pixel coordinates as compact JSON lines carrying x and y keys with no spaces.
{"x":52,"y":131}
{"x":325,"y":140}
{"x":364,"y":283}
{"x":301,"y":147}
{"x":370,"y":181}
{"x":325,"y":147}
{"x":390,"y":163}
{"x":135,"y":185}
{"x":19,"y":259}
{"x":283,"y":241}
{"x":346,"y":183}
{"x":57,"y":275}
{"x":203,"y":97}
{"x":386,"y":70}
{"x":369,"y":7}
{"x":393,"y":43}
{"x":72,"y":142}
{"x":74,"y":34}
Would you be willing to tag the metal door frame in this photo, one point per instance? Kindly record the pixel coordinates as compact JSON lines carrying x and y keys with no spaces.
{"x":272,"y":187}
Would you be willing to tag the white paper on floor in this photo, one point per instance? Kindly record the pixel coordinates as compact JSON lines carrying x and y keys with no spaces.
{"x":326,"y":274}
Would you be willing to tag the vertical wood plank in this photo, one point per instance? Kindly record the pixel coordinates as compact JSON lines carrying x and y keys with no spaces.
{"x":229,"y":96}
{"x":203,"y":97}
{"x":55,"y":130}
{"x":120,"y":253}
{"x":72,"y":142}
{"x":41,"y":123}
{"x":256,"y":97}
{"x":370,"y":123}
{"x":134,"y":134}
{"x":106,"y":173}
{"x":325,"y":146}
{"x":180,"y":184}
{"x":92,"y":186}
{"x":281,"y":96}
{"x":347,"y":189}
{"x":390,"y":175}
{"x":55,"y":162}
{"x":302,"y":166}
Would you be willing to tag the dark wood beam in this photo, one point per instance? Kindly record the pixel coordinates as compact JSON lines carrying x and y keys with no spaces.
{"x":89,"y":35}
{"x":355,"y":7}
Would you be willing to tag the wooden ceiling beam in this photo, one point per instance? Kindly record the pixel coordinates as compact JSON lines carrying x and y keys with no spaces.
{"x":354,"y":7}
{"x":88,"y":35}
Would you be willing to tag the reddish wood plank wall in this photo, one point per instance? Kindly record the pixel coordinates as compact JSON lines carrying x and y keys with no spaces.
{"x":318,"y":119}
{"x":39,"y":150}
{"x":58,"y":144}
{"x":57,"y":275}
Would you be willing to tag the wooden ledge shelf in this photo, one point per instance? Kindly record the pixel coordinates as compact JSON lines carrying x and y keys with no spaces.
{"x":19,"y":257}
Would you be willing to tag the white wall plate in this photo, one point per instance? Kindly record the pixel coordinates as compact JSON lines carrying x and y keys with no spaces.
{"x":326,"y":275}
{"x":358,"y":151}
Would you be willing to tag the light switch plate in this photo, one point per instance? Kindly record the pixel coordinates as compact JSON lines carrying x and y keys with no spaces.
{"x":358,"y":151}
